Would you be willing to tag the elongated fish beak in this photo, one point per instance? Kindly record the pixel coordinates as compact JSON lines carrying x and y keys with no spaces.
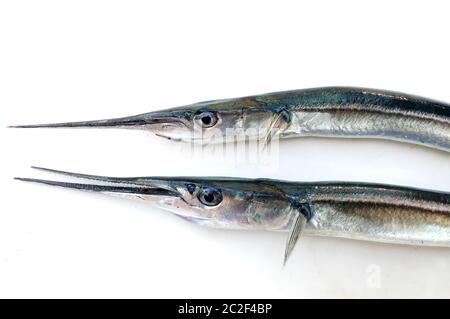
{"x":138,"y":121}
{"x":112,"y":185}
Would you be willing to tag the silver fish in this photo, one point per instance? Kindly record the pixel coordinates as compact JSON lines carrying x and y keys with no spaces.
{"x":373,"y":212}
{"x":325,"y":112}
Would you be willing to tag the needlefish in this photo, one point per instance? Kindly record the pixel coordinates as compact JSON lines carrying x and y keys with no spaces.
{"x":321,"y":112}
{"x":361,"y":211}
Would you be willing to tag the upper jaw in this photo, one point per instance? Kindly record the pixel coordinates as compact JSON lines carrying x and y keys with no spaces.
{"x":138,"y":187}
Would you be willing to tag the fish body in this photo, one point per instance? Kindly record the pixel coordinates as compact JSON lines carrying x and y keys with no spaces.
{"x":363,"y":211}
{"x":365,"y":113}
{"x":377,"y":212}
{"x":324,"y":112}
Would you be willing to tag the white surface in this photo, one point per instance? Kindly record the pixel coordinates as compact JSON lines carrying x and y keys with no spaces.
{"x":67,"y":61}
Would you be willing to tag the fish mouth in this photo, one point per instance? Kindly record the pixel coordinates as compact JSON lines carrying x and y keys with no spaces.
{"x":139,"y":187}
{"x":137,"y":121}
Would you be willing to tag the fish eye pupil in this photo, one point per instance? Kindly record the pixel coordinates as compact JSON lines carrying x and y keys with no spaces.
{"x":206,"y":119}
{"x":209,"y":198}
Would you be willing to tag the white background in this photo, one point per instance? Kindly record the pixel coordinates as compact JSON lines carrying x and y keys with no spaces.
{"x":80,"y":60}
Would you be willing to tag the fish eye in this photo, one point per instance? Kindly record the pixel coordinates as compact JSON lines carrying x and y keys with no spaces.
{"x":206,"y":119}
{"x":210,"y":196}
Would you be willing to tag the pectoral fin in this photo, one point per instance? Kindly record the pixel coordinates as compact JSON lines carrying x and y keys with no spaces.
{"x":303,"y":211}
{"x":297,"y":228}
{"x":279,"y":123}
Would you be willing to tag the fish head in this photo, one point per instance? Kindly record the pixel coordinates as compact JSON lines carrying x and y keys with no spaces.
{"x":227,"y":203}
{"x":247,"y":118}
{"x":218,"y":202}
{"x":215,"y":121}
